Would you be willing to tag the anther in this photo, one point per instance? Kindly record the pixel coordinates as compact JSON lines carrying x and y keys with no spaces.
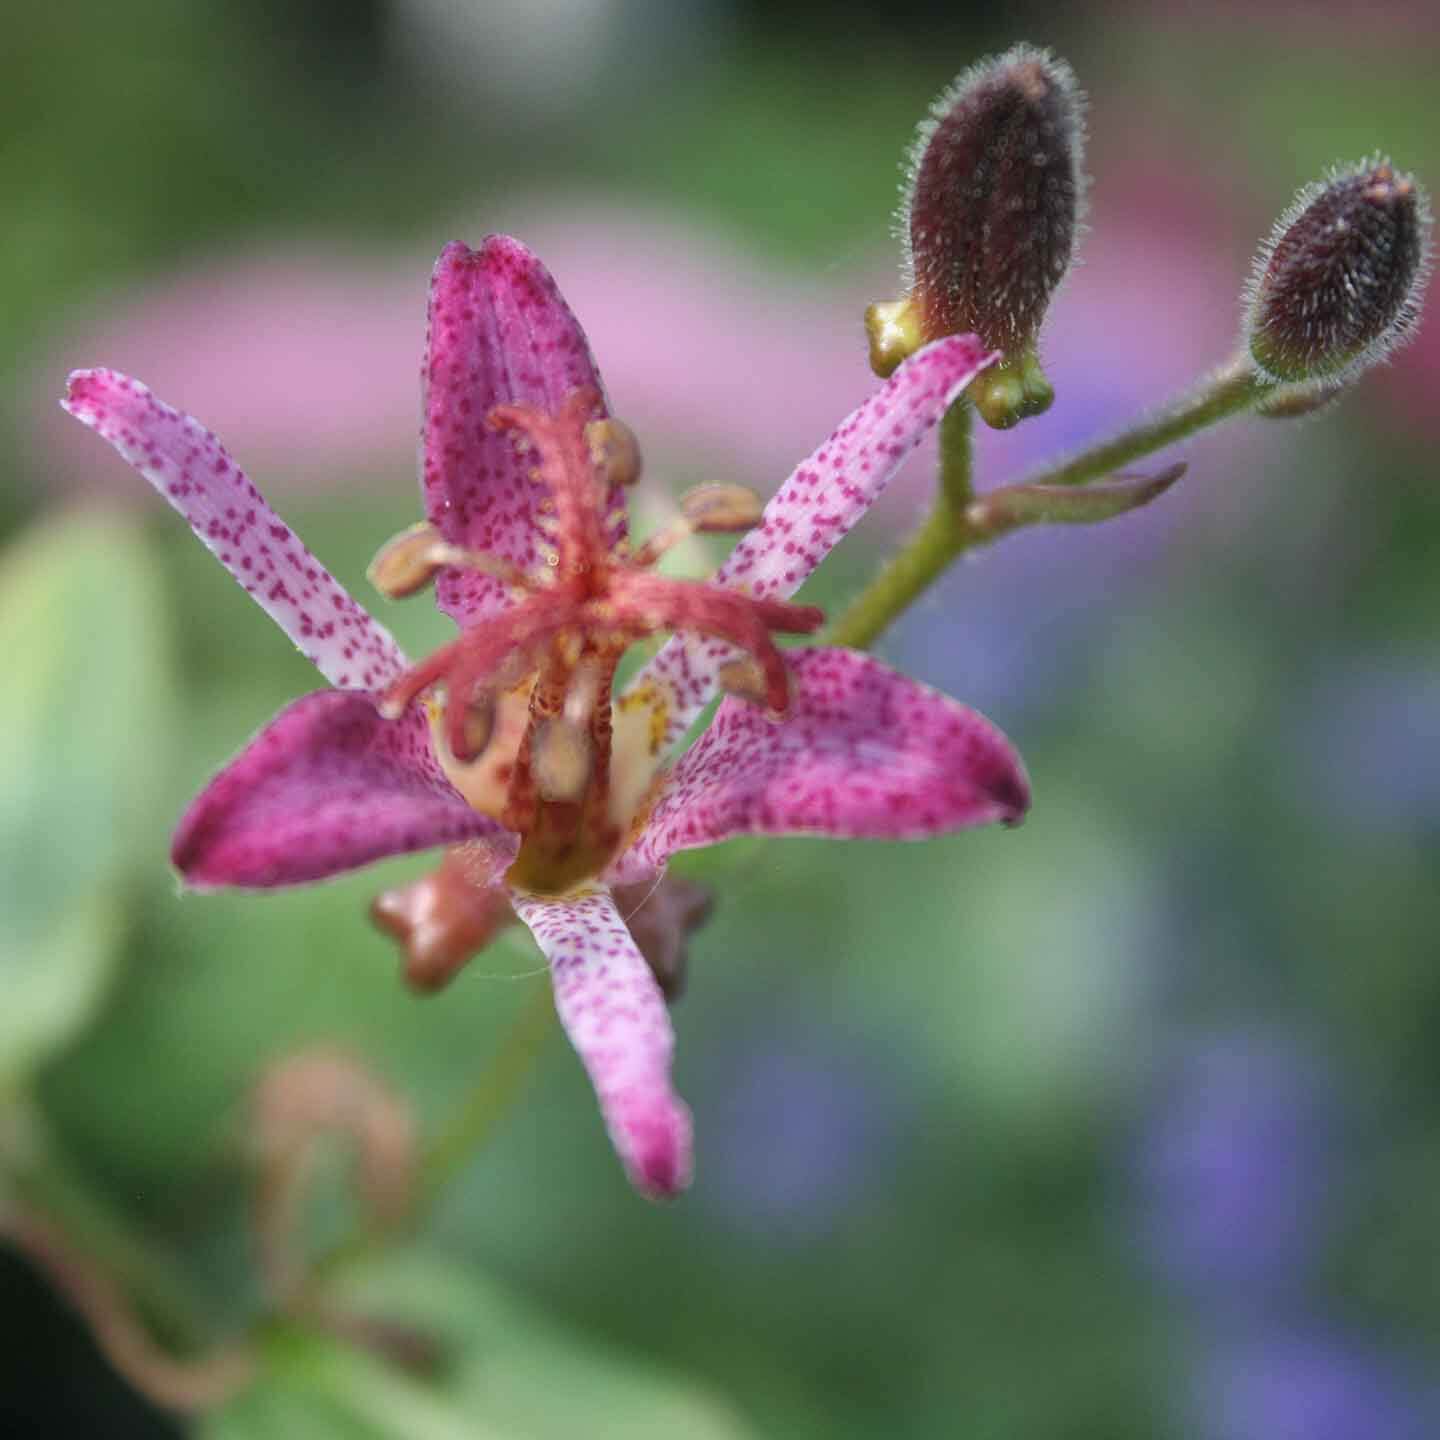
{"x":614,"y":450}
{"x":721,"y":509}
{"x":745,"y":680}
{"x":408,"y":563}
{"x":705,"y":510}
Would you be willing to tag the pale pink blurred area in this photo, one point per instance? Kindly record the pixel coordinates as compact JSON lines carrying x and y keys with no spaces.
{"x":305,"y":359}
{"x":303,"y":355}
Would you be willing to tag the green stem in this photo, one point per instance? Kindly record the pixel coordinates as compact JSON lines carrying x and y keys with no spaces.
{"x":957,"y":456}
{"x":931,"y":550}
{"x":949,"y":531}
{"x":470,"y":1126}
{"x":1231,"y":390}
{"x":930,"y":553}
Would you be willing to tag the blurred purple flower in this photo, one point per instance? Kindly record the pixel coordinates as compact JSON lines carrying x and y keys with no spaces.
{"x":801,"y":1127}
{"x":1307,"y":1384}
{"x":1233,"y":1172}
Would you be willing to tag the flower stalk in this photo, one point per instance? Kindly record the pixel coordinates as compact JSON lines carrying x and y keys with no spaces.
{"x":959,"y":523}
{"x":943,"y":537}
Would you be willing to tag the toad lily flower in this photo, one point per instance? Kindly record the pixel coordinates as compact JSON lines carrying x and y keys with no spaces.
{"x":507,"y":745}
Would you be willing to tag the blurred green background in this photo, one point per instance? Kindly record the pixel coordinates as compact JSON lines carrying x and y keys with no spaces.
{"x":1126,"y":1123}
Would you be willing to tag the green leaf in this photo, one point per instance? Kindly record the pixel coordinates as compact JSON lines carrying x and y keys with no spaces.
{"x":315,"y":1387}
{"x":53,"y":984}
{"x":509,"y":1367}
{"x":1014,"y":506}
{"x":83,"y":720}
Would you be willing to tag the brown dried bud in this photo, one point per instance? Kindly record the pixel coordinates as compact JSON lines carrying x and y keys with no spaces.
{"x":444,"y":918}
{"x":298,"y":1101}
{"x":991,"y":212}
{"x":1338,"y":284}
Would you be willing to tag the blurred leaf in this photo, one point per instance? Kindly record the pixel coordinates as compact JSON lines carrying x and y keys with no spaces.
{"x":83,"y":722}
{"x":53,"y":983}
{"x":512,"y":1367}
{"x":322,"y":1390}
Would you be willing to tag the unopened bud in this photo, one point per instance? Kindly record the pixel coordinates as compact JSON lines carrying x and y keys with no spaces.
{"x":614,"y":451}
{"x":991,"y":213}
{"x":1339,"y":282}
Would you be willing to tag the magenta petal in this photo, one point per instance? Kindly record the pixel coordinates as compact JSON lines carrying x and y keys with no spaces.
{"x":615,"y":1016}
{"x":327,"y":786}
{"x":817,"y":507}
{"x":864,"y":751}
{"x":499,"y":333}
{"x":191,"y":469}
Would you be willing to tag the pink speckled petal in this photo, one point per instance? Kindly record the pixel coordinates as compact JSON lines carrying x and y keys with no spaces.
{"x":327,"y":786}
{"x":615,"y":1016}
{"x":191,"y":469}
{"x":816,"y":508}
{"x":500,"y":333}
{"x":864,"y":751}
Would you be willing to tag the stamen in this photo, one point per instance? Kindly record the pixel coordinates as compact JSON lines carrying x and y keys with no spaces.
{"x":722,"y":509}
{"x":614,"y":451}
{"x":408,"y":563}
{"x":743,"y":679}
{"x":705,"y":510}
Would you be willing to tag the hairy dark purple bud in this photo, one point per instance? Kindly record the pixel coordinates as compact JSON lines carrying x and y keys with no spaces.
{"x":991,"y":215}
{"x":1339,"y":283}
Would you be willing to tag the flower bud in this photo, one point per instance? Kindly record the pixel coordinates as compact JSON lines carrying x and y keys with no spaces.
{"x":991,"y":216}
{"x":1339,"y":282}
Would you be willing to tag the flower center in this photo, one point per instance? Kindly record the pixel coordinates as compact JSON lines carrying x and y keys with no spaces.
{"x":520,"y":701}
